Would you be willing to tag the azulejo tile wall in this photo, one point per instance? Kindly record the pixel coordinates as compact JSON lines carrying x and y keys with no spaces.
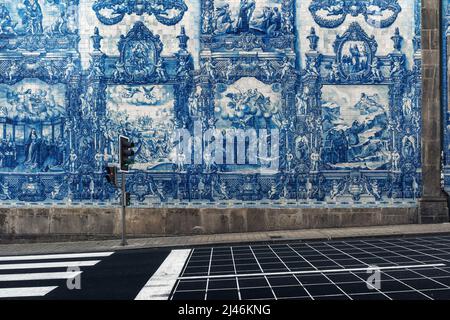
{"x":308,"y":103}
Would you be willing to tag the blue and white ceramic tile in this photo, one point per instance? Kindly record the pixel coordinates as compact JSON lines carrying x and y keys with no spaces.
{"x":331,"y":87}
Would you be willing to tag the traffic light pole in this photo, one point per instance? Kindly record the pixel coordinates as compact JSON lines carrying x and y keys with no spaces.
{"x":124,"y":204}
{"x":126,"y":154}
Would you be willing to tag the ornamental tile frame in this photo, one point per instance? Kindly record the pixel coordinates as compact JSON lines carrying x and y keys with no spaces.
{"x":331,"y":90}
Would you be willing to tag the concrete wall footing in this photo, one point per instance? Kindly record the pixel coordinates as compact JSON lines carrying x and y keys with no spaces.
{"x":97,"y":223}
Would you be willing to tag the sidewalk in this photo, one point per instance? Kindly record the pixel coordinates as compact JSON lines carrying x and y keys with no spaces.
{"x":224,"y":239}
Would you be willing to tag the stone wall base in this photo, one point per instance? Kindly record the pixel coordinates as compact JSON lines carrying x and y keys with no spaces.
{"x":433,"y":210}
{"x":96,"y":223}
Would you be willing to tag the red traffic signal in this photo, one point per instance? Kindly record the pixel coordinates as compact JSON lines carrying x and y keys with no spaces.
{"x":111,"y":175}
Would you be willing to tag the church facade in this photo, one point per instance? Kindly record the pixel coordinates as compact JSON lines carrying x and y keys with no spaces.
{"x":243,"y":104}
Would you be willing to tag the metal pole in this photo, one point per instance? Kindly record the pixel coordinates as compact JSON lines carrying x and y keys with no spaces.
{"x":124,"y":203}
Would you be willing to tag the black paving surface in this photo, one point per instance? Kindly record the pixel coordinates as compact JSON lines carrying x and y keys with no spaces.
{"x":413,"y":268}
{"x":320,"y":270}
{"x":119,"y":276}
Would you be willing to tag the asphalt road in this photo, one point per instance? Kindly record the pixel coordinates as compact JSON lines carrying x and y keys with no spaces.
{"x":119,"y":275}
{"x":367,"y":269}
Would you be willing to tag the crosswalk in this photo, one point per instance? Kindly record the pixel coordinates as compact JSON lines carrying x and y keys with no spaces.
{"x":160,"y":285}
{"x":18,"y":273}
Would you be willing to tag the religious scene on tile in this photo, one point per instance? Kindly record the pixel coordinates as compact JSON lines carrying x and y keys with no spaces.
{"x":275,"y":103}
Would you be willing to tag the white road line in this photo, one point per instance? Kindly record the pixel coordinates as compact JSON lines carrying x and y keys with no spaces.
{"x":265,"y":274}
{"x":161,"y":283}
{"x":43,"y":265}
{"x":39,"y":276}
{"x":58,"y":256}
{"x":235,"y":272}
{"x":209,"y":273}
{"x":25,"y":292}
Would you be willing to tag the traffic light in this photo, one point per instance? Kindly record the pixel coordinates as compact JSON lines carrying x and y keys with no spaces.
{"x":111,"y":175}
{"x":126,"y":153}
{"x":127,"y":199}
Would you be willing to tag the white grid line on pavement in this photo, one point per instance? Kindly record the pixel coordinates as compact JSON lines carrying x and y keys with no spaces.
{"x":237,"y":281}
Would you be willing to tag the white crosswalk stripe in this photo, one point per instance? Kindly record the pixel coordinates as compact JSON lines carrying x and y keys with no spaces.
{"x":25,"y":292}
{"x":39,"y":276}
{"x":45,"y":265}
{"x":58,"y":256}
{"x":27,"y":272}
{"x":159,"y":286}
